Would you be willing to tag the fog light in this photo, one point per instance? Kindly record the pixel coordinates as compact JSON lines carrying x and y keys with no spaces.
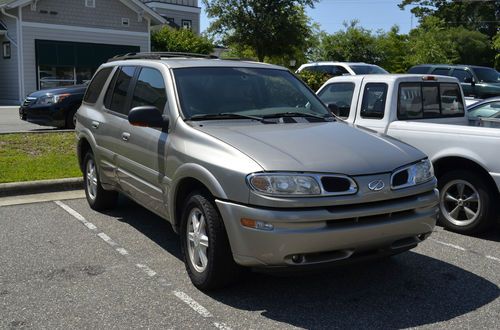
{"x":255,"y":224}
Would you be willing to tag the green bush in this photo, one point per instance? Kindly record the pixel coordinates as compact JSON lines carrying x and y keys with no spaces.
{"x":182,"y":40}
{"x":314,"y":79}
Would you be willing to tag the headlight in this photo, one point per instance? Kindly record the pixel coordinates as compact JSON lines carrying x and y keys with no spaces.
{"x":412,"y":175}
{"x":283,"y":184}
{"x":51,"y":99}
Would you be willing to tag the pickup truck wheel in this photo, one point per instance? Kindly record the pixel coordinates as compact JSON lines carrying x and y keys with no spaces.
{"x":98,"y":198}
{"x":205,"y":246}
{"x":465,"y":202}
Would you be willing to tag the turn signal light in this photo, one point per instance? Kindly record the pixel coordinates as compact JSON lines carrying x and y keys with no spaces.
{"x":255,"y":224}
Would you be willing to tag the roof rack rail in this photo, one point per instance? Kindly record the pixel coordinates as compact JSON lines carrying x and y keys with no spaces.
{"x":158,"y":56}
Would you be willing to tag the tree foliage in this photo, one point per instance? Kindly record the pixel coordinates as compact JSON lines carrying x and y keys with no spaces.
{"x":271,"y":28}
{"x":496,"y":47}
{"x":314,"y":79}
{"x":482,"y":16}
{"x":180,"y":40}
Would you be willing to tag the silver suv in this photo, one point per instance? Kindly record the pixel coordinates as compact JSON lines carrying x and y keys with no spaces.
{"x":248,"y":165}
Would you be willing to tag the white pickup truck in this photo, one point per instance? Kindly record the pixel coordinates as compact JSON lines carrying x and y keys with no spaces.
{"x":428,"y":113}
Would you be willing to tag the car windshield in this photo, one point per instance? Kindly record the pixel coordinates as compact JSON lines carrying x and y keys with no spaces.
{"x":487,"y":75}
{"x":244,"y":91}
{"x":367,"y":69}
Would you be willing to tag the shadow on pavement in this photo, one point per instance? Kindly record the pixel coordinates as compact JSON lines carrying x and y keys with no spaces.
{"x":407,"y":290}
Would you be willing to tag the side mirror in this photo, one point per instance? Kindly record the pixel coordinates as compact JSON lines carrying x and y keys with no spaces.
{"x":333,"y":108}
{"x":147,"y":116}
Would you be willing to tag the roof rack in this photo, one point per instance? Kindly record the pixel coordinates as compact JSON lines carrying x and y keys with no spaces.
{"x":158,"y":56}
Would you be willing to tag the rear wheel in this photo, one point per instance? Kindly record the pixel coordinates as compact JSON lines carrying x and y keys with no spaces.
{"x":98,"y":198}
{"x":205,"y":246}
{"x":465,"y":201}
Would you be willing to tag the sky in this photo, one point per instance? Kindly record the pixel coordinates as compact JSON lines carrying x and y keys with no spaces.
{"x":372,"y":14}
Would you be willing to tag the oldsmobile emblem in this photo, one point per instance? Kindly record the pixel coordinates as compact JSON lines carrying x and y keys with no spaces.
{"x":376,"y":185}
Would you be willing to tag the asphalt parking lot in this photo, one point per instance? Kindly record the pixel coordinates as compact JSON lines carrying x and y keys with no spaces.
{"x":66,"y":266}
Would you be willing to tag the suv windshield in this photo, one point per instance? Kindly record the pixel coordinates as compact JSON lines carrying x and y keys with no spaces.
{"x":487,"y":75}
{"x":368,"y":69}
{"x":244,"y":91}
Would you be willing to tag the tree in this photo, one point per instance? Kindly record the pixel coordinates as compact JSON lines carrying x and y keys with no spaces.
{"x":354,"y":44}
{"x":393,"y":49}
{"x":473,"y":47}
{"x":482,"y":16}
{"x":271,"y":28}
{"x":181,"y":40}
{"x":496,"y":47}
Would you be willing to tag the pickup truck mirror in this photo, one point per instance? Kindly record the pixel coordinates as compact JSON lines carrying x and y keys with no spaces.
{"x":333,"y":108}
{"x":148,"y":116}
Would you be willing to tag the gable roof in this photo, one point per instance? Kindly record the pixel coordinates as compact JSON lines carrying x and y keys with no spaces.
{"x":135,"y":5}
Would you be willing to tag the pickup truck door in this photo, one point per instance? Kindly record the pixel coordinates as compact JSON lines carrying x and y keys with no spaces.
{"x":372,"y":106}
{"x":142,"y":159}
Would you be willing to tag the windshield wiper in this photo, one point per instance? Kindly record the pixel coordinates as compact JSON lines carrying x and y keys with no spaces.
{"x":299,"y":114}
{"x":225,"y":115}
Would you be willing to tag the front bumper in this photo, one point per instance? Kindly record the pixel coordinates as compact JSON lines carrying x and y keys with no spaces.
{"x":43,"y":115}
{"x":308,"y":236}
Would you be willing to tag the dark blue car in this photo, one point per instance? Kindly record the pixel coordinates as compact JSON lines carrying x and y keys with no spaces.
{"x":53,"y":107}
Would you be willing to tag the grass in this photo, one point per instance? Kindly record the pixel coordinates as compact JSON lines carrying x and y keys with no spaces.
{"x":38,"y":156}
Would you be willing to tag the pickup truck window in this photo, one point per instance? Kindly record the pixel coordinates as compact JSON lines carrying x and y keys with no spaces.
{"x":340,"y":95}
{"x":461,"y":74}
{"x":374,"y":97}
{"x":441,"y":71}
{"x":429,"y":100}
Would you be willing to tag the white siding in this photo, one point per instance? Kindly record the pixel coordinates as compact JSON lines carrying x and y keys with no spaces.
{"x":30,"y":34}
{"x":9,"y":82}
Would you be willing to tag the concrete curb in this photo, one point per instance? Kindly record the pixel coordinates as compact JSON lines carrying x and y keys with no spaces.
{"x":41,"y":186}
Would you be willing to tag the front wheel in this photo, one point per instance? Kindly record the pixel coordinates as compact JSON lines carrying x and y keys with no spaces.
{"x":465,"y":202}
{"x":205,"y":246}
{"x":98,"y":198}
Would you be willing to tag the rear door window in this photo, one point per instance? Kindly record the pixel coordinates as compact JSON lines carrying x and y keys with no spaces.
{"x":119,"y":99}
{"x":374,"y":97}
{"x":441,"y":71}
{"x":149,"y":89}
{"x":339,"y":94}
{"x":461,"y":75}
{"x":96,"y":86}
{"x":429,"y":100}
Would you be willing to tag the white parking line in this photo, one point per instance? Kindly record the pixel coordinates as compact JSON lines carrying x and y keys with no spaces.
{"x":493,"y":258}
{"x":193,"y":304}
{"x":448,"y":244}
{"x":76,"y":215}
{"x":147,"y":270}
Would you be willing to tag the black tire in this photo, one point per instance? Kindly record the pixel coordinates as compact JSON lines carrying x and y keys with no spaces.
{"x":484,"y":209}
{"x":221,"y":269}
{"x":98,"y":198}
{"x":70,"y":119}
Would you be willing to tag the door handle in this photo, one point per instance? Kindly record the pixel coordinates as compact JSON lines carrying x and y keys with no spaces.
{"x":125,"y":136}
{"x":95,"y":124}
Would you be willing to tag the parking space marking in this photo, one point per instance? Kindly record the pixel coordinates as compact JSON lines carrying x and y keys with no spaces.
{"x":147,"y":270}
{"x":449,"y":244}
{"x":76,"y":215}
{"x":457,"y":247}
{"x":193,"y":304}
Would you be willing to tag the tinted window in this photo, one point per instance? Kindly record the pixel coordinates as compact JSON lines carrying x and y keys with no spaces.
{"x":95,"y":87}
{"x":149,"y":89}
{"x":441,"y":71}
{"x":247,"y":91}
{"x":340,"y":95}
{"x":419,"y":69}
{"x":461,"y":74}
{"x":368,"y":69}
{"x":120,"y":90}
{"x":373,"y":104}
{"x":429,"y":100}
{"x":487,"y":75}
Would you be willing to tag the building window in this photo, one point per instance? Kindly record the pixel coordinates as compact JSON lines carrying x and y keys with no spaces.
{"x":125,"y":22}
{"x":90,"y":3}
{"x":187,"y":24}
{"x":6,"y":51}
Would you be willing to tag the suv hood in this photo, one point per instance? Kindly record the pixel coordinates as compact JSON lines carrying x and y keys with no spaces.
{"x":330,"y":147}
